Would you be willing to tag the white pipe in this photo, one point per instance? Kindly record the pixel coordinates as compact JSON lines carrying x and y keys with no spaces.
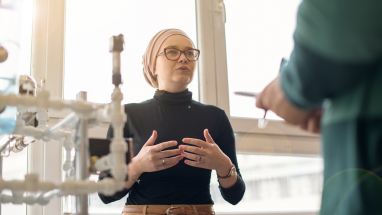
{"x":31,"y":184}
{"x":29,"y":200}
{"x":44,"y":133}
{"x":4,"y":142}
{"x":33,"y":191}
{"x":104,"y":163}
{"x":42,"y":100}
{"x":40,"y":133}
{"x":103,"y":114}
{"x":118,"y":146}
{"x":48,"y":190}
{"x":68,"y":122}
{"x":41,"y":199}
{"x":68,"y":163}
{"x":82,"y":158}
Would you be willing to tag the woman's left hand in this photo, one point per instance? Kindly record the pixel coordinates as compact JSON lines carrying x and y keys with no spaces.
{"x":205,"y":154}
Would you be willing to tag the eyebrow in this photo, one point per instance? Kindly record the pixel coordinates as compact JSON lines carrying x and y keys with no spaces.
{"x":186,"y":48}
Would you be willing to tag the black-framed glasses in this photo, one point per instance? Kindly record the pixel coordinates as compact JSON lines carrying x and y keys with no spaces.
{"x":174,"y":54}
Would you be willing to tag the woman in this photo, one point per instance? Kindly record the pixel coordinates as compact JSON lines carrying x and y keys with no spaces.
{"x":180,"y":141}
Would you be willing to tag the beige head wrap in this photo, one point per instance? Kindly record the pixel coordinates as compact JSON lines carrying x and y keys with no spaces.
{"x":150,"y":56}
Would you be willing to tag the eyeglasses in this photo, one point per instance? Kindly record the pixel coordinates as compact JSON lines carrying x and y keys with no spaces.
{"x":174,"y":54}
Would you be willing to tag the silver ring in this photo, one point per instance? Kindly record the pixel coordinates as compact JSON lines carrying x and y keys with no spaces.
{"x":163,"y":162}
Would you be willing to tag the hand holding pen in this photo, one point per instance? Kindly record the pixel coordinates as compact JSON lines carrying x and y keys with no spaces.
{"x":262,"y":122}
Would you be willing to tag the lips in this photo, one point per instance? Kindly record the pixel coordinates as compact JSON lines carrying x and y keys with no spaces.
{"x":183,"y":68}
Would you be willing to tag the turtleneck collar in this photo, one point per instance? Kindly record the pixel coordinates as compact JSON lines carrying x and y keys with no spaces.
{"x":165,"y":97}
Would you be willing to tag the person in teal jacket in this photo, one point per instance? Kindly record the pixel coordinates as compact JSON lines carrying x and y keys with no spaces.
{"x":332,"y":84}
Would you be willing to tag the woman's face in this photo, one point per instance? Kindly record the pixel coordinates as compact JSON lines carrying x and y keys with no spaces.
{"x":174,"y":76}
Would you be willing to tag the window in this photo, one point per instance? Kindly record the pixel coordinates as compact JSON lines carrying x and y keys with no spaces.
{"x":254,"y":52}
{"x":243,"y":30}
{"x":87,"y":65}
{"x":275,"y":184}
{"x":14,"y":168}
{"x":97,"y":207}
{"x":15,"y":37}
{"x":88,"y":62}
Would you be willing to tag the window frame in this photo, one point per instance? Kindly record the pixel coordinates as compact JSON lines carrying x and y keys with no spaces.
{"x":214,"y":88}
{"x":48,"y":64}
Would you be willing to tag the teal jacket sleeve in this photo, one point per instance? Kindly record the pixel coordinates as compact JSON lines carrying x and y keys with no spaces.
{"x":337,"y":45}
{"x":308,"y":78}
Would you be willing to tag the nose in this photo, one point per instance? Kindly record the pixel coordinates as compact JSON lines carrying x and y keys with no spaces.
{"x":183,"y":58}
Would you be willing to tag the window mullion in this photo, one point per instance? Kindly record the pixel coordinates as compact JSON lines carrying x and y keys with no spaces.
{"x":47,"y":65}
{"x":48,"y":45}
{"x":213,"y":63}
{"x":207,"y":60}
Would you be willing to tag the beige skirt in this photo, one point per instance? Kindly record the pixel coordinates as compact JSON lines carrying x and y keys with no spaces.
{"x":168,"y":209}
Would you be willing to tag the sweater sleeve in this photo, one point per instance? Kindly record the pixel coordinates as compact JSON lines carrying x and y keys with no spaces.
{"x":226,"y":142}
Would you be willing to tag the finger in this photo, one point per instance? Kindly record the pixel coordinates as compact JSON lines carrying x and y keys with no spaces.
{"x":164,"y":145}
{"x":310,"y":125}
{"x":170,"y":162}
{"x":191,"y":156}
{"x":265,"y":96}
{"x":318,"y":121}
{"x":192,"y":149}
{"x":259,"y":101}
{"x":304,"y":125}
{"x":313,"y":125}
{"x":152,"y":139}
{"x":318,"y":124}
{"x":194,"y":141}
{"x":194,"y":164}
{"x":207,"y":136}
{"x":170,"y":153}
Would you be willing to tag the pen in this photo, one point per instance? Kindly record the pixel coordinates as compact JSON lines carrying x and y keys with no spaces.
{"x":245,"y":93}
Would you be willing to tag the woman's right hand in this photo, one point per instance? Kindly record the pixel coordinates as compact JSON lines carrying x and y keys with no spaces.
{"x":152,"y":158}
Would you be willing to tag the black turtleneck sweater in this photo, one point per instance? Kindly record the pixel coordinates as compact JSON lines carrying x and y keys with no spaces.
{"x":175,"y":116}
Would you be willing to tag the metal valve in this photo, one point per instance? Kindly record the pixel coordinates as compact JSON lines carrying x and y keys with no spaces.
{"x":3,"y":54}
{"x":116,"y":47}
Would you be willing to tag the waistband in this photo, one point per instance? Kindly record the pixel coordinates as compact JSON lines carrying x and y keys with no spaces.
{"x":168,"y":210}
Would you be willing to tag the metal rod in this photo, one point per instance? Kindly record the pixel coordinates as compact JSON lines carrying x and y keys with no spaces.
{"x":68,"y":121}
{"x":3,"y":146}
{"x":82,"y":164}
